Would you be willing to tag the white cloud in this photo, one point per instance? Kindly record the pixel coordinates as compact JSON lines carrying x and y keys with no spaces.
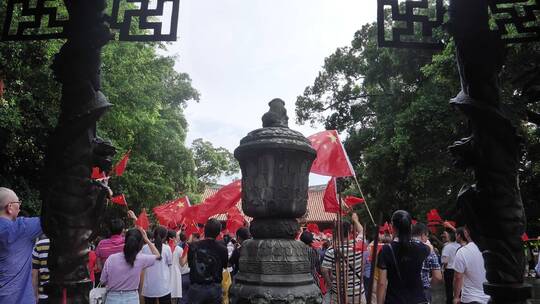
{"x":241,"y":54}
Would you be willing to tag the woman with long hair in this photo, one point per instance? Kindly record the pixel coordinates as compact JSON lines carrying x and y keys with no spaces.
{"x":122,"y":271}
{"x":400,"y":264}
{"x":157,"y":278}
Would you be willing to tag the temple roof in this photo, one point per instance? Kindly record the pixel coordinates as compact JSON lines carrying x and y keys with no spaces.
{"x":315,"y":210}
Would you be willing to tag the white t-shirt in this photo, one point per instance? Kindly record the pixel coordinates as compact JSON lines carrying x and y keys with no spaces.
{"x":157,"y":278}
{"x":470,"y":262}
{"x":449,"y":254}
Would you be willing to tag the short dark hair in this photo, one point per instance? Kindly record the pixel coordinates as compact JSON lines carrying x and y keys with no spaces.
{"x":242,"y":234}
{"x":212,"y":228}
{"x":451,"y":235}
{"x":460,"y":231}
{"x":116,"y":226}
{"x":183,"y":237}
{"x":419,"y":229}
{"x":306,"y":237}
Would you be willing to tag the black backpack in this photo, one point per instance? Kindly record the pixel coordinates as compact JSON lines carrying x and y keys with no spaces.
{"x":206,"y":266}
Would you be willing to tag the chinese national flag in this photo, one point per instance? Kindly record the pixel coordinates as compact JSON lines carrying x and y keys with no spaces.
{"x":119,"y":199}
{"x":235,"y":220}
{"x":171,"y":212}
{"x":524,"y":237}
{"x":353,"y":200}
{"x":330,"y":198}
{"x":97,"y":174}
{"x":192,"y":228}
{"x":332,"y":160}
{"x":142,"y":220}
{"x":121,"y":165}
{"x":221,"y":202}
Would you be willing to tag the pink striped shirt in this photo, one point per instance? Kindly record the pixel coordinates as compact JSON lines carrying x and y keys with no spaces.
{"x":106,"y":247}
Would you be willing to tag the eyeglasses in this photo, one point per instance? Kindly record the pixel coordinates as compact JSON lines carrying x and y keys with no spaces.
{"x":18,"y":202}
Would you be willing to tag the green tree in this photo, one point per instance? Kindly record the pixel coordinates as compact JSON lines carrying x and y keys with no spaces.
{"x":211,"y":162}
{"x":393,"y":103}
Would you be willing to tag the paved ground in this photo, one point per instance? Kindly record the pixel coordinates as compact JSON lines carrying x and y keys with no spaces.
{"x":437,"y":294}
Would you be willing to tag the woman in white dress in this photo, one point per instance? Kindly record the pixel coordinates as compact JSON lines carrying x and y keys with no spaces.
{"x":157,"y":278}
{"x":176,"y":275}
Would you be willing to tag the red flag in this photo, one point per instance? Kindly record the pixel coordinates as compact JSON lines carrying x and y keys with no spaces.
{"x":142,"y":220}
{"x":119,"y":199}
{"x":235,"y":220}
{"x":433,"y":216}
{"x":330,"y":198}
{"x":332,"y":160}
{"x":219,"y":203}
{"x":524,"y":237}
{"x":121,"y":165}
{"x":97,"y":173}
{"x":414,"y":222}
{"x":328,"y":232}
{"x":313,"y":228}
{"x":192,"y":228}
{"x":171,"y":213}
{"x":352,"y":200}
{"x":385,"y":228}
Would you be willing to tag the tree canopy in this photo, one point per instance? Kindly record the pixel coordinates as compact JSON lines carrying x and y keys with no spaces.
{"x":147,"y":118}
{"x":393,"y":103}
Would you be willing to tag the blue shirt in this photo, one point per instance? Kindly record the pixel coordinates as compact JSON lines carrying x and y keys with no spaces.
{"x":17,"y":240}
{"x":430,"y":263}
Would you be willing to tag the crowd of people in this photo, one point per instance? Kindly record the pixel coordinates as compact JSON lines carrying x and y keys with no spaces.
{"x":168,"y":266}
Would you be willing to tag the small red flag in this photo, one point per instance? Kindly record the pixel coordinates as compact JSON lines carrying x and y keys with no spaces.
{"x":330,"y":198}
{"x":433,"y":216}
{"x":385,"y":228}
{"x":328,"y":232}
{"x":524,"y":237}
{"x":97,"y":173}
{"x":353,"y":200}
{"x":313,"y":228}
{"x":192,"y":228}
{"x":119,"y":199}
{"x":332,"y":160}
{"x":235,"y":220}
{"x":142,"y":220}
{"x":121,"y":165}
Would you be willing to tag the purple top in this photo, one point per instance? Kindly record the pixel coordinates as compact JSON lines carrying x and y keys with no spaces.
{"x":118,"y":275}
{"x":106,"y":247}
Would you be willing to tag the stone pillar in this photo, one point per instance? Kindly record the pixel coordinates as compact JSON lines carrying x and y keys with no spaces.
{"x":492,"y":206}
{"x":275,"y":163}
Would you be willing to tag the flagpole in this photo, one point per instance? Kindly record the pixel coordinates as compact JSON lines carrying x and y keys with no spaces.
{"x":365,"y":201}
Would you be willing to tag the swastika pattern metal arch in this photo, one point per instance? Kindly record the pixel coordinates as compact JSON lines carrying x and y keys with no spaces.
{"x":522,"y":15}
{"x":42,"y":20}
{"x":407,"y":24}
{"x":403,"y":36}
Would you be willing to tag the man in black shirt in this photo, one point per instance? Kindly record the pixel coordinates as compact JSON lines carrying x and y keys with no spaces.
{"x":207,"y":259}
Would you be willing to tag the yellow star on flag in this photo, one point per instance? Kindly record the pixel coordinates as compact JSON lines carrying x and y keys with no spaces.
{"x":181,"y":204}
{"x":333,"y":139}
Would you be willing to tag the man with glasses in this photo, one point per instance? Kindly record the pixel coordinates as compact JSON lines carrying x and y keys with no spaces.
{"x":17,"y":238}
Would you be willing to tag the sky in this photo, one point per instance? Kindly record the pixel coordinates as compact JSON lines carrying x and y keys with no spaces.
{"x":240,"y":54}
